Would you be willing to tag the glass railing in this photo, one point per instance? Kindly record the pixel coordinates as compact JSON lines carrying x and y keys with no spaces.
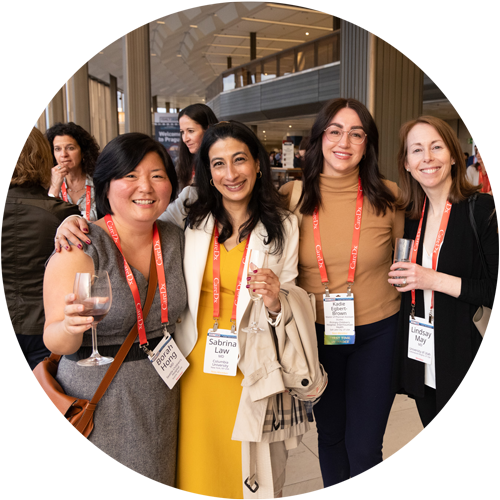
{"x":308,"y":55}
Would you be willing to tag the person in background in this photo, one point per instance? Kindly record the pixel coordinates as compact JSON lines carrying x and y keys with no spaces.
{"x":472,"y":159}
{"x":193,"y":122}
{"x":136,"y":419}
{"x":493,"y":423}
{"x":343,"y":195}
{"x":444,"y":284}
{"x":30,"y":222}
{"x":75,"y":153}
{"x":477,"y":175}
{"x":271,"y":158}
{"x":466,"y":157}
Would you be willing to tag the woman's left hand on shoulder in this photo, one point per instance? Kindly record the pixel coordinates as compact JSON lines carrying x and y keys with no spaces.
{"x":411,"y":277}
{"x":266,"y":283}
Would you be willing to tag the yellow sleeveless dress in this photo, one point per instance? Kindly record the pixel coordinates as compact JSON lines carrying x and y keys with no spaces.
{"x":208,"y":461}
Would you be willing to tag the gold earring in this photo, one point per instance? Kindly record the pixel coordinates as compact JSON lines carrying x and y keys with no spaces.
{"x":259,"y":174}
{"x":212,"y":182}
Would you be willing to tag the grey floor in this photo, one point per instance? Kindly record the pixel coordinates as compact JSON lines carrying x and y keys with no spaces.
{"x":405,"y":448}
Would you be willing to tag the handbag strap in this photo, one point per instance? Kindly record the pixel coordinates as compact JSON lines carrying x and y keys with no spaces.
{"x":472,"y":202}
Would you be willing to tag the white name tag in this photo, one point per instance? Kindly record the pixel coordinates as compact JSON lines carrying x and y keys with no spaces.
{"x":421,"y":340}
{"x":339,"y":319}
{"x":221,"y":353}
{"x":169,"y":361}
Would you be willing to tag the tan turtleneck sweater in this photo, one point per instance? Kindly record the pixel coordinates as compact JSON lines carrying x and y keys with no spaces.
{"x":374,"y":298}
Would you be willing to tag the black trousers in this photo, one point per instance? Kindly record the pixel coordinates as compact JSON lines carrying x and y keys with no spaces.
{"x":19,"y":352}
{"x":447,"y":470}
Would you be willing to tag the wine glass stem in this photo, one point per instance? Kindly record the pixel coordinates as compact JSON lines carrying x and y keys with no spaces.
{"x":95,"y":352}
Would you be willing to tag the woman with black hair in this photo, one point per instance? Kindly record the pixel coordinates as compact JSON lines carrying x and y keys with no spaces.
{"x":136,"y":419}
{"x":75,"y":153}
{"x":347,"y":233}
{"x":193,"y":121}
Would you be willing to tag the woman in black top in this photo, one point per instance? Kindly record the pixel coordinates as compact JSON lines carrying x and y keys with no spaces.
{"x":30,"y":222}
{"x":434,"y":187}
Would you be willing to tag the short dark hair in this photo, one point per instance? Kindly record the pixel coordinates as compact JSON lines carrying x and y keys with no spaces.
{"x":412,"y":195}
{"x":266,"y":203}
{"x":203,"y":115}
{"x":376,"y":191}
{"x":120,"y":157}
{"x":87,"y":143}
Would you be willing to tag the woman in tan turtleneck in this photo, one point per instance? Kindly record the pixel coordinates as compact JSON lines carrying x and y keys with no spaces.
{"x":344,"y":196}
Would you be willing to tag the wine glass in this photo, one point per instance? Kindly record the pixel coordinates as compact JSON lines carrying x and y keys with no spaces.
{"x":93,"y":290}
{"x":257,"y":259}
{"x":403,"y":250}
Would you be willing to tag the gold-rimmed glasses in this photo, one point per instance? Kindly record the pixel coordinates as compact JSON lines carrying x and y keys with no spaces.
{"x":334,"y":134}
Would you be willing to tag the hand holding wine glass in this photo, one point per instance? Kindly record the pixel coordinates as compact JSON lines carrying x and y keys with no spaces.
{"x":93,"y":291}
{"x":262,"y":284}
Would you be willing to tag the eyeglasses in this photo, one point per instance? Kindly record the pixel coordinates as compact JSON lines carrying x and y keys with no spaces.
{"x":335,"y":134}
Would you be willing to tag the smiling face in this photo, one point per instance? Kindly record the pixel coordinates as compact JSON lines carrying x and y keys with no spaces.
{"x":482,"y":157}
{"x":428,"y":159}
{"x":143,"y":194}
{"x":234,"y":171}
{"x":343,"y":157}
{"x":191,"y":133}
{"x":67,"y":152}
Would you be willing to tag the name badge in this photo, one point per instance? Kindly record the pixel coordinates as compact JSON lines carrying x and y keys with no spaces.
{"x":221,"y":353}
{"x":169,"y":361}
{"x":421,"y":340}
{"x":339,"y":319}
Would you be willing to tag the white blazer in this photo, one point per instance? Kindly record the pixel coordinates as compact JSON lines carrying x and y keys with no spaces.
{"x":197,"y":247}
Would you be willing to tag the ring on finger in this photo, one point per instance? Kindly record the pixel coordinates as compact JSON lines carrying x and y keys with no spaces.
{"x":58,"y":167}
{"x":404,"y":281}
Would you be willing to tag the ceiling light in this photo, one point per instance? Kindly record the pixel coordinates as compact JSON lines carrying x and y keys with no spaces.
{"x":286,"y":24}
{"x":263,"y":38}
{"x":179,"y":55}
{"x":307,"y":33}
{"x":160,"y":22}
{"x":289,"y":126}
{"x":278,"y":6}
{"x":242,"y":47}
{"x":193,"y":25}
{"x":263,"y":131}
{"x":153,"y":55}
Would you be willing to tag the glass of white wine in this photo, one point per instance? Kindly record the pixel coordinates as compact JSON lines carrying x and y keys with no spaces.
{"x":257,"y":259}
{"x":93,"y":291}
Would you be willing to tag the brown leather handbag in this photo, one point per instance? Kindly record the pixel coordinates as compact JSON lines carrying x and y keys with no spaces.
{"x":41,"y":425}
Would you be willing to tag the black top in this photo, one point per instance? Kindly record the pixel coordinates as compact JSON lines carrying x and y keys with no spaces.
{"x":456,"y":339}
{"x":30,"y":222}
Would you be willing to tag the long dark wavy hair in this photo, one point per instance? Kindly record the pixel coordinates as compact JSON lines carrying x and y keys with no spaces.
{"x":374,"y":188}
{"x":266,"y":204}
{"x":86,"y":141}
{"x":204,"y":116}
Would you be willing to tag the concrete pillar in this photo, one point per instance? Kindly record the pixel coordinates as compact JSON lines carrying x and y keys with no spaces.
{"x":27,"y":90}
{"x":137,"y":76}
{"x":79,"y":65}
{"x":386,"y":81}
{"x":493,"y":122}
{"x":78,"y":98}
{"x":56,"y":97}
{"x":253,"y":46}
{"x":41,"y":118}
{"x":12,"y":93}
{"x":113,"y":126}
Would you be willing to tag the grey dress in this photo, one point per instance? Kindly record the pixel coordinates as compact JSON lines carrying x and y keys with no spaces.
{"x":136,"y":420}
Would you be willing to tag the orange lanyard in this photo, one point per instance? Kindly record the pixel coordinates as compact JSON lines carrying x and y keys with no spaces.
{"x":132,"y":283}
{"x":354,"y":247}
{"x":87,"y":198}
{"x":437,"y":245}
{"x":216,"y":281}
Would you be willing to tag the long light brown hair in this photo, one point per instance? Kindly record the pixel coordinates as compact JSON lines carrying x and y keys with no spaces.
{"x":412,"y":195}
{"x":35,"y":162}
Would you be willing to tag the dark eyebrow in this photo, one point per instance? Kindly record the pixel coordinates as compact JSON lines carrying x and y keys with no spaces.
{"x":234,"y":154}
{"x":341,"y":126}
